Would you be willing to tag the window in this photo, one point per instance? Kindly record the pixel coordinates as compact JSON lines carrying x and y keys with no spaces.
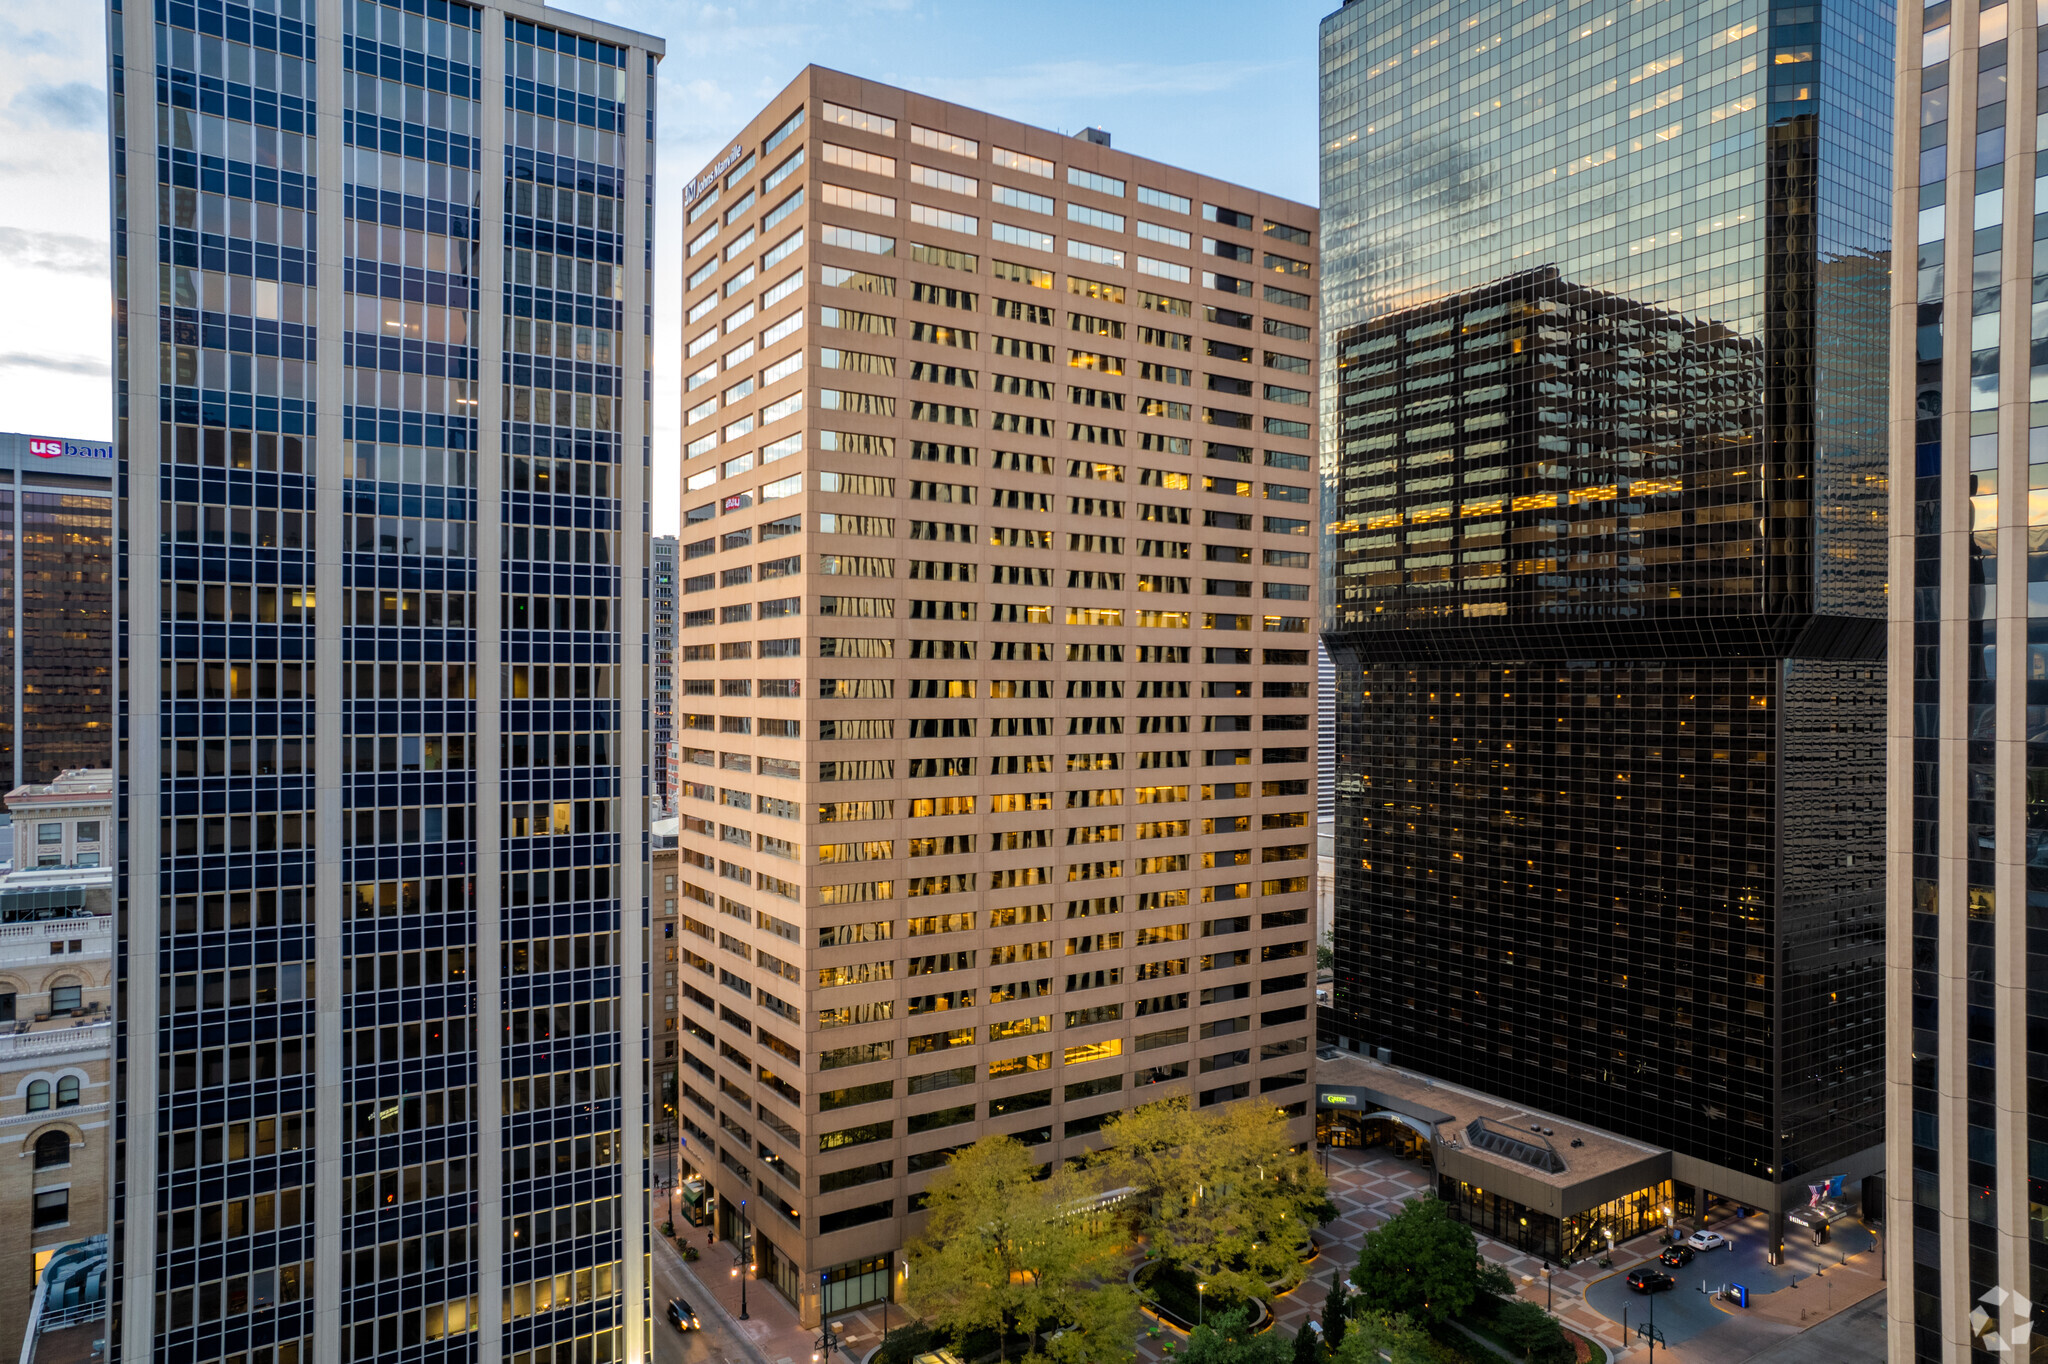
{"x":53,"y":1207}
{"x":1101,"y":184}
{"x":945,"y":142}
{"x":39,"y":1096}
{"x":88,"y":831}
{"x":1018,"y":161}
{"x":49,"y":833}
{"x":858,"y":118}
{"x":53,"y":1150}
{"x":1159,"y":198}
{"x":65,"y":998}
{"x":67,"y":1092}
{"x":7,"y":1007}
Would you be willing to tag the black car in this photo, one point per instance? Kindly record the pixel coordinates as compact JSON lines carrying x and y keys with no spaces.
{"x":1678,"y":1255}
{"x":1648,"y":1280}
{"x":681,"y":1315}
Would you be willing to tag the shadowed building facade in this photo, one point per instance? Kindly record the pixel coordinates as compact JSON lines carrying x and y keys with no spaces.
{"x":382,"y":282}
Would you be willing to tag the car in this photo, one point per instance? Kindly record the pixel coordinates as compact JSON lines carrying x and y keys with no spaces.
{"x":681,"y":1315}
{"x":1706,"y":1240}
{"x":1648,"y":1280}
{"x":1677,"y":1255}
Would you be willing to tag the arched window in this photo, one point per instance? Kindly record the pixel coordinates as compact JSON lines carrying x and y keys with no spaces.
{"x":67,"y":1092}
{"x":52,"y":1150}
{"x":38,"y":1096}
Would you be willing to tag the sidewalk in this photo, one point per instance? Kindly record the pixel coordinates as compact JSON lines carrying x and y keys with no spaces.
{"x":772,"y":1333}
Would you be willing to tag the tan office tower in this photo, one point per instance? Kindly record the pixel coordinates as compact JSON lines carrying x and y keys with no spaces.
{"x":995,"y":674}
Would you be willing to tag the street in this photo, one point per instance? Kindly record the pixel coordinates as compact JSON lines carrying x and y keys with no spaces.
{"x":714,"y":1343}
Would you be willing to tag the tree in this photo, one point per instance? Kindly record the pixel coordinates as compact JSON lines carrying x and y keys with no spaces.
{"x":1225,"y":1195}
{"x":1007,"y":1248}
{"x":1533,"y":1331}
{"x":1374,"y":1340}
{"x":1308,"y":1347}
{"x":1336,"y":1312}
{"x":1228,"y":1340}
{"x":1420,"y":1262}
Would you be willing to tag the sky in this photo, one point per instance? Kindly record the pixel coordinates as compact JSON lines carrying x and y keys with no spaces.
{"x":1226,"y":89}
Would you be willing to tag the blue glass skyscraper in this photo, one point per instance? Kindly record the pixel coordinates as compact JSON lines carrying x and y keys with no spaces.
{"x":382,"y":279}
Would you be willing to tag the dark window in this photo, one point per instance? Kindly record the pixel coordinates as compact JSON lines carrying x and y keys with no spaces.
{"x":53,"y":1207}
{"x":52,"y":1150}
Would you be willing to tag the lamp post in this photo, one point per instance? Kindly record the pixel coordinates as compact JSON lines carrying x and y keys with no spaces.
{"x":1201,"y":1302}
{"x":746,"y":1257}
{"x":1548,"y":1285}
{"x":828,"y":1341}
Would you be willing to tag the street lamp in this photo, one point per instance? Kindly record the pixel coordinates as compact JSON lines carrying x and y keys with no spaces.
{"x":1548,"y":1285}
{"x":828,"y":1341}
{"x":1201,"y":1300}
{"x":746,"y":1255}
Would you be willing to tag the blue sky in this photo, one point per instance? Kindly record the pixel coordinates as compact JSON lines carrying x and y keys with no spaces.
{"x":1225,"y":89}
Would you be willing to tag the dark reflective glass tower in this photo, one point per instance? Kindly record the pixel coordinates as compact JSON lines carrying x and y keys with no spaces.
{"x":1605,"y":463}
{"x":56,"y":605}
{"x":382,"y":276}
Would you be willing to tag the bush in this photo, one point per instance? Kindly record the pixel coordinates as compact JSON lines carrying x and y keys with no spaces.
{"x":1172,"y":1290}
{"x":1534,"y":1332}
{"x":905,"y":1343}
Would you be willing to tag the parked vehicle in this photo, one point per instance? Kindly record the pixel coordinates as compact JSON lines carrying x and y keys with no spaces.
{"x":1706,"y":1240}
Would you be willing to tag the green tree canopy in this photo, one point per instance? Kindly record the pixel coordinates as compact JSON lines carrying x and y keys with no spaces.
{"x":1010,"y":1248}
{"x":1229,"y":1340}
{"x":1223,"y":1193}
{"x":1421,"y":1263}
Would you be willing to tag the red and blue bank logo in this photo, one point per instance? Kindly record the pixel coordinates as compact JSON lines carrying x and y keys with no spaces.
{"x":51,"y":447}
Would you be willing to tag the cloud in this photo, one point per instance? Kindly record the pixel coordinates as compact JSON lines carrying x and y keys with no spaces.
{"x":22,"y":41}
{"x":72,"y":105}
{"x":56,"y":364}
{"x":63,"y":252}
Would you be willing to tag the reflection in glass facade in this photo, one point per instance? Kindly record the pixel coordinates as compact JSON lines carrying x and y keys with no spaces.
{"x":1604,"y":435}
{"x":384,"y":1053}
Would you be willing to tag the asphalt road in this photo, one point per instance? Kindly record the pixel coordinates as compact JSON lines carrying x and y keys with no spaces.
{"x":714,"y":1343}
{"x":1686,"y":1310}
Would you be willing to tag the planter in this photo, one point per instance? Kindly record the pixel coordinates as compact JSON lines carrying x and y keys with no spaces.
{"x":1185,"y":1317}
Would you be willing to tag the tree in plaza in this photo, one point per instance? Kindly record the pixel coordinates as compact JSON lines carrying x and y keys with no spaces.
{"x":1308,"y":1346}
{"x":1533,"y":1331}
{"x":1421,"y":1262}
{"x":1009,"y":1248}
{"x":1224,"y":1195}
{"x":1336,"y":1312}
{"x":1229,"y":1340}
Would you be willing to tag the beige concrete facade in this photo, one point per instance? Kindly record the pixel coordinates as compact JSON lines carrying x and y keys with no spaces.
{"x":995,"y":676}
{"x":1961,"y":1218}
{"x":661,"y":956}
